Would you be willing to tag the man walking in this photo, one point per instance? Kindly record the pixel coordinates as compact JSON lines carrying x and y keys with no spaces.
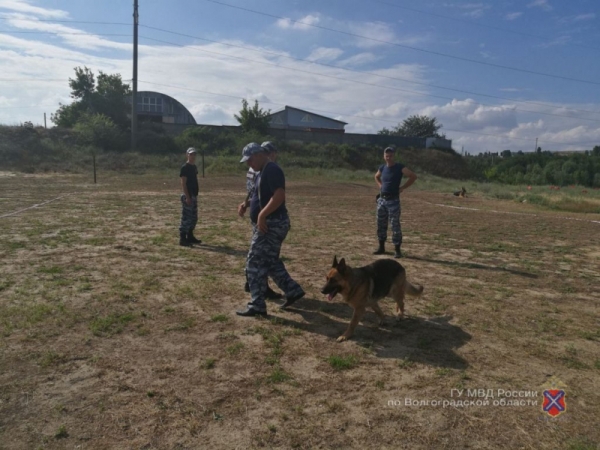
{"x":388,"y":178}
{"x":271,"y":224}
{"x":189,"y":200}
{"x":251,"y":176}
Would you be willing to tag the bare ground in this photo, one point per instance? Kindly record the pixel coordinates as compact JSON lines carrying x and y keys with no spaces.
{"x":113,"y":336}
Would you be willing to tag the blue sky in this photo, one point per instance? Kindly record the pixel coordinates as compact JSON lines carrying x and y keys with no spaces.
{"x":497,"y":74}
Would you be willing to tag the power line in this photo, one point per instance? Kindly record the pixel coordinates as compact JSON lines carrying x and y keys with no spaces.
{"x":366,"y":72}
{"x":476,"y":24}
{"x":367,"y":118}
{"x":60,"y":33}
{"x":64,"y":21}
{"x":431,"y":52}
{"x":359,"y":82}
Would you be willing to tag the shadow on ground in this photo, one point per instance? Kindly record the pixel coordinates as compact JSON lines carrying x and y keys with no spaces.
{"x":473,"y":266}
{"x":427,"y":341}
{"x":221,"y":249}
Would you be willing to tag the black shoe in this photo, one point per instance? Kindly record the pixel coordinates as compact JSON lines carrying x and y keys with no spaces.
{"x":247,"y":287}
{"x":272,"y":295}
{"x":183,"y":240}
{"x":289,"y":301}
{"x":192,"y":239}
{"x":251,"y":312}
{"x":381,"y":249}
{"x":397,"y":253}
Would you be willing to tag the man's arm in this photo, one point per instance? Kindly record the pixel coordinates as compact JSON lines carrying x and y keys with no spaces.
{"x":275,"y":202}
{"x":188,"y":197}
{"x":412,"y":177}
{"x":378,"y":178}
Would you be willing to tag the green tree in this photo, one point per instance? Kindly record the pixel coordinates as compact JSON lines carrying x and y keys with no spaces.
{"x":416,"y":126}
{"x":107,"y":95}
{"x":254,"y":118}
{"x":97,"y":131}
{"x":596,"y":150}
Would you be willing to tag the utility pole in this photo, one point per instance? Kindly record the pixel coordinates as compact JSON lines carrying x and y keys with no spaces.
{"x":535,"y":149}
{"x":135,"y":77}
{"x":45,"y":121}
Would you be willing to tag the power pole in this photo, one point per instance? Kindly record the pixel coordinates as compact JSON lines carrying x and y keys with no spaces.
{"x":535,"y":149}
{"x":45,"y":121}
{"x":135,"y":77}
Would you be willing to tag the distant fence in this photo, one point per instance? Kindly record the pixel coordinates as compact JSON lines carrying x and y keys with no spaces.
{"x":326,"y":137}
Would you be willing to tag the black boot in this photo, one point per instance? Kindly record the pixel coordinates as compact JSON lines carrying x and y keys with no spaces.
{"x":397,"y":253}
{"x":272,"y":295}
{"x":183,"y":241}
{"x":192,"y":239}
{"x":381,"y":249}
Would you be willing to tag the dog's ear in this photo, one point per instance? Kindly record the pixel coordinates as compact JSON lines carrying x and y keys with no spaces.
{"x":335,"y":262}
{"x":342,"y":265}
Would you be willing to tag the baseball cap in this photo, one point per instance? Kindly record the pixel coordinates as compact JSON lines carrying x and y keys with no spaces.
{"x":191,"y":150}
{"x":251,"y":149}
{"x":389,"y":149}
{"x":268,"y":146}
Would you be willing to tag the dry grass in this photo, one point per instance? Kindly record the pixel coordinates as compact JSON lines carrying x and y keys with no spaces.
{"x":112,"y":336}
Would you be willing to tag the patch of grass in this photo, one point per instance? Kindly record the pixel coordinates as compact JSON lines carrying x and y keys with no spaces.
{"x":61,"y":433}
{"x":234,"y":349}
{"x":208,"y":363}
{"x":52,"y":270}
{"x":443,"y":372}
{"x":342,"y":362}
{"x":435,"y":308}
{"x":219,"y":318}
{"x":109,"y":325}
{"x":159,"y":240}
{"x":581,"y":443}
{"x":406,"y":363}
{"x":278,"y":375}
{"x":51,"y":358}
{"x":183,"y":326}
{"x":573,"y":363}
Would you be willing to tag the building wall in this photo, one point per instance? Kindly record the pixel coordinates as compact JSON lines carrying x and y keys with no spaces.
{"x":159,"y":107}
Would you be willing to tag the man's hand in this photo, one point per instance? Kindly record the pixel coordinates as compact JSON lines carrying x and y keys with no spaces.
{"x":242,"y":209}
{"x":261,"y":223}
{"x":188,"y":201}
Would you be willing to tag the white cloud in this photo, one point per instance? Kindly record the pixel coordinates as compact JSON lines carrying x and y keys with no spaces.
{"x":580,"y":17}
{"x":513,"y":16}
{"x":24,"y":6}
{"x":377,"y":33}
{"x":543,"y":4}
{"x":302,"y":24}
{"x":325,"y":54}
{"x":72,"y":36}
{"x":359,"y":59}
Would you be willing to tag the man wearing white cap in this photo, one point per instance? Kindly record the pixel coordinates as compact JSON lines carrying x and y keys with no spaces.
{"x":189,"y":200}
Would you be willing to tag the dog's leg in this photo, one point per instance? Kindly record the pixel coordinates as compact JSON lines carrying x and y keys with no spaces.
{"x":358,"y":313}
{"x":379,"y":313}
{"x":399,"y":297}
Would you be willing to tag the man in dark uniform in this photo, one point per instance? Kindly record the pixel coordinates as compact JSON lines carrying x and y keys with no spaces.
{"x":251,"y":176}
{"x":189,"y":200}
{"x":271,"y":224}
{"x":389,"y":177}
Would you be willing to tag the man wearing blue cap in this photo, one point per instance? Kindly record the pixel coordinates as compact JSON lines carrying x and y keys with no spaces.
{"x":251,"y":176}
{"x":270,"y":225}
{"x":388,"y":178}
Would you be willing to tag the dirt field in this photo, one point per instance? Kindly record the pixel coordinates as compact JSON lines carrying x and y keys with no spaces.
{"x":114,"y":337}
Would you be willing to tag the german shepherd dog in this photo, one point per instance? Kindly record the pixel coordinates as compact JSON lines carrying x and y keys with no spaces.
{"x":365,"y":286}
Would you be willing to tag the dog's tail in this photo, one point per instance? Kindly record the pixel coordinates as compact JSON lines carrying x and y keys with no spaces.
{"x":412,"y":289}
